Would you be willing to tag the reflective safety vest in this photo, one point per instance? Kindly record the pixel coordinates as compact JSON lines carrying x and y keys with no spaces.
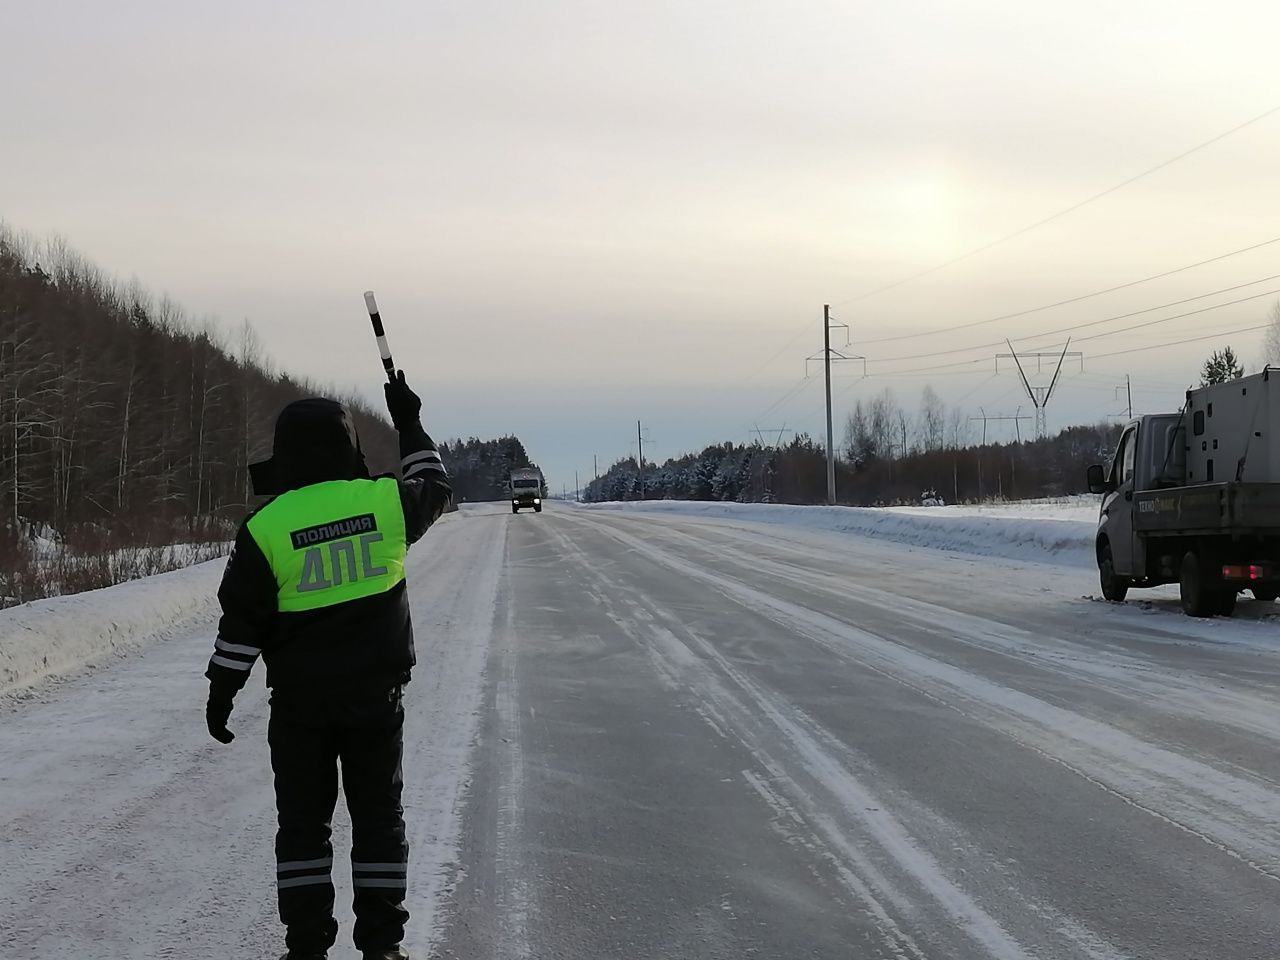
{"x":331,"y":542}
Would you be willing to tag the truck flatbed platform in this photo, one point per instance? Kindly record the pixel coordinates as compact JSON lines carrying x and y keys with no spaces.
{"x":1230,"y":507}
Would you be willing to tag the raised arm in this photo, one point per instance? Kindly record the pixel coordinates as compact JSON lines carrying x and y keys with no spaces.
{"x":425,"y":491}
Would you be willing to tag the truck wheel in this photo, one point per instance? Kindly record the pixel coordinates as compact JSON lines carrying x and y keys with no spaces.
{"x":515,"y":509}
{"x":538,"y":508}
{"x":1198,"y":598}
{"x":1114,"y":588}
{"x":1227,"y":602}
{"x":1265,"y":594}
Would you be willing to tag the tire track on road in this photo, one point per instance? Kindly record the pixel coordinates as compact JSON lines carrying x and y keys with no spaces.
{"x":1233,"y":815}
{"x":836,"y":814}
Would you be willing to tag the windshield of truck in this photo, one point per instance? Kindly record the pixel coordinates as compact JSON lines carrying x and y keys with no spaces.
{"x":1126,"y":462}
{"x":524,"y":484}
{"x":1123,"y":459}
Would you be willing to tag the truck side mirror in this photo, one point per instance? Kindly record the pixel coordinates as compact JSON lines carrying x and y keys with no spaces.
{"x":1096,"y":477}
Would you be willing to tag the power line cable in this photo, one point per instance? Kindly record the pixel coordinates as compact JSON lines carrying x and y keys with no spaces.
{"x":1059,"y":303}
{"x":1093,"y":323}
{"x":785,"y":347}
{"x":1177,"y":343}
{"x":1096,"y":356}
{"x":953,"y":371}
{"x":1069,"y":300}
{"x":925,"y":371}
{"x":952,"y":367}
{"x":1062,"y":213}
{"x":794,"y":391}
{"x":1116,"y":380}
{"x":980,"y":386}
{"x":1177,"y":316}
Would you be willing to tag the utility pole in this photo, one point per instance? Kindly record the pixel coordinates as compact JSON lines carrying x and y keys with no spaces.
{"x":1128,"y":389}
{"x":577,"y":489}
{"x":826,"y":357}
{"x":640,"y":457}
{"x":595,"y":464}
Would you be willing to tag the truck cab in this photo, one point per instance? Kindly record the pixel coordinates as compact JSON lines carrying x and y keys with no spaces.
{"x":1150,"y":455}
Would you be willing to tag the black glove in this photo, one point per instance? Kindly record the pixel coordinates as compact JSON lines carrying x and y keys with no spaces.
{"x":216,"y":714}
{"x":403,"y":404}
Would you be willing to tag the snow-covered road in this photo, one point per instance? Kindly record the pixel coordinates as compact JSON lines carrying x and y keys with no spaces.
{"x":638,"y":735}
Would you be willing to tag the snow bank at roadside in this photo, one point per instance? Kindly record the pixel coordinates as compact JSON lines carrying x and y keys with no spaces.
{"x":47,"y":638}
{"x":1061,"y":534}
{"x":1081,"y":508}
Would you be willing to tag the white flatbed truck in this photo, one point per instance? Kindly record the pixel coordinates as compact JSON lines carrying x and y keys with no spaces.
{"x":1193,"y":498}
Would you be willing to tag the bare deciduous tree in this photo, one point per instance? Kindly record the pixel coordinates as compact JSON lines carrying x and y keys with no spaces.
{"x":902,"y":421}
{"x":933,"y":420}
{"x":958,"y":429}
{"x":118,"y":412}
{"x":1271,"y":338}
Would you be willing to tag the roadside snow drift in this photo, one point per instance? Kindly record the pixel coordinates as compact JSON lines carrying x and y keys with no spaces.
{"x":47,"y":638}
{"x":1038,"y":531}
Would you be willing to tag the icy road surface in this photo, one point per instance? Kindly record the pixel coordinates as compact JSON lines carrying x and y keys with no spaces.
{"x":638,"y":736}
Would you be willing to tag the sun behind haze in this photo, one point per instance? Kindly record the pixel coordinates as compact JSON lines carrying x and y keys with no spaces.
{"x":579,"y":214}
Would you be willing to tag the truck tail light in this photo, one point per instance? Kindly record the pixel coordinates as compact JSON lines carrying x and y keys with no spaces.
{"x":1246,"y":571}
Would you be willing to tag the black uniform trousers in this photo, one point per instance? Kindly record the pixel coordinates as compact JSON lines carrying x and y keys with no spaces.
{"x":309,"y":740}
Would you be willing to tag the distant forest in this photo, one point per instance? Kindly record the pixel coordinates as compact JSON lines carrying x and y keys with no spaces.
{"x":797,"y":472}
{"x":890,"y":454}
{"x":479,"y":468}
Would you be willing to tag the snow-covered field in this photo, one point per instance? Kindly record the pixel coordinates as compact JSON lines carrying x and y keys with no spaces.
{"x":1083,"y":507}
{"x":1045,"y":531}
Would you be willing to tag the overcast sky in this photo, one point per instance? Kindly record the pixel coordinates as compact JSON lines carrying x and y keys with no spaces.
{"x":580,"y":213}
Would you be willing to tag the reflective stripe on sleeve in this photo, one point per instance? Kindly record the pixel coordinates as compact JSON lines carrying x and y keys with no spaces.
{"x":230,"y":664}
{"x":428,"y":456}
{"x":422,"y":468}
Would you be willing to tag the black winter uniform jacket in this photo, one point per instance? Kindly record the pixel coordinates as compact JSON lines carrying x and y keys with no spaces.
{"x":361,"y":646}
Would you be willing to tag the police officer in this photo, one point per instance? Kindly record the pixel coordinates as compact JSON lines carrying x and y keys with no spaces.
{"x":316,"y":586}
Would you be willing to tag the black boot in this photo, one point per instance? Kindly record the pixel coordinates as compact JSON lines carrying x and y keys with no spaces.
{"x":395,"y":953}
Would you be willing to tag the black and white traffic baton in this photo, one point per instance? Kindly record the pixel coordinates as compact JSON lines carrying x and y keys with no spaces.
{"x":387,"y":363}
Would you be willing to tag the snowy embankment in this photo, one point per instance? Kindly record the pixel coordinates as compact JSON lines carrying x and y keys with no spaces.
{"x":1060,"y":532}
{"x":47,"y":638}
